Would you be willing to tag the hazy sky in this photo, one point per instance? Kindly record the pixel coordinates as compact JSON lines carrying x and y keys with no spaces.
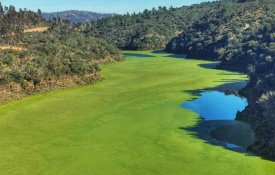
{"x":103,"y":6}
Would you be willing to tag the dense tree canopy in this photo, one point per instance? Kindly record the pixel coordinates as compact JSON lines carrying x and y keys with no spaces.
{"x":239,"y":35}
{"x":151,"y":29}
{"x":13,"y":23}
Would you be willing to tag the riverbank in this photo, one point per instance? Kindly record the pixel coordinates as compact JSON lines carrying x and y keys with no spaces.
{"x":16,"y":91}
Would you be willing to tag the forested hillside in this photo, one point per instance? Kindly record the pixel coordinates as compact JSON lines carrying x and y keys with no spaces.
{"x":233,"y":31}
{"x":75,"y":16}
{"x":36,"y":61}
{"x":240,"y":35}
{"x":151,"y":29}
{"x":13,"y":23}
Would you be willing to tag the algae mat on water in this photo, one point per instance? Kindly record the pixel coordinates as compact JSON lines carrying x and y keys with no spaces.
{"x":127,"y":124}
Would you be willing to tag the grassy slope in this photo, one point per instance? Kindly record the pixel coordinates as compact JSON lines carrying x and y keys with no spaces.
{"x":127,"y":124}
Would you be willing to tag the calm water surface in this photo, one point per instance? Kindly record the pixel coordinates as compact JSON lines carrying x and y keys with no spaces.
{"x":216,"y":105}
{"x":219,"y":112}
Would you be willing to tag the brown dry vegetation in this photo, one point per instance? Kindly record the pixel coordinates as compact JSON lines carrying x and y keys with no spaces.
{"x":10,"y":47}
{"x":18,"y":48}
{"x":36,"y":29}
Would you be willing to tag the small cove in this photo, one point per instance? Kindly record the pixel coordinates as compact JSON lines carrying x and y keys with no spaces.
{"x":218,"y":107}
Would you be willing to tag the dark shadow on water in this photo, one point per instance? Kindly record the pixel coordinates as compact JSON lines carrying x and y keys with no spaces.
{"x":227,"y":87}
{"x":235,"y":86}
{"x":182,"y":56}
{"x":170,"y":55}
{"x":229,"y":73}
{"x":138,"y":55}
{"x":159,"y":51}
{"x":227,"y":80}
{"x":209,"y":65}
{"x":232,"y":135}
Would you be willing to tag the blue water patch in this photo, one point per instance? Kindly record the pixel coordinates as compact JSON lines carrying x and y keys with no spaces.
{"x":216,"y":105}
{"x":232,"y":146}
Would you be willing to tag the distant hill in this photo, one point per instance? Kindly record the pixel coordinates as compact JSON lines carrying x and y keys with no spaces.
{"x":76,"y":16}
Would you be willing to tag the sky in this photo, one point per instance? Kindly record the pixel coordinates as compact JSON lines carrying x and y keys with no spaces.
{"x":102,"y":6}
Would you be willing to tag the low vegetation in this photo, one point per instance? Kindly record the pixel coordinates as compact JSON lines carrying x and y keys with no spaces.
{"x":52,"y":57}
{"x":12,"y":48}
{"x":36,"y":56}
